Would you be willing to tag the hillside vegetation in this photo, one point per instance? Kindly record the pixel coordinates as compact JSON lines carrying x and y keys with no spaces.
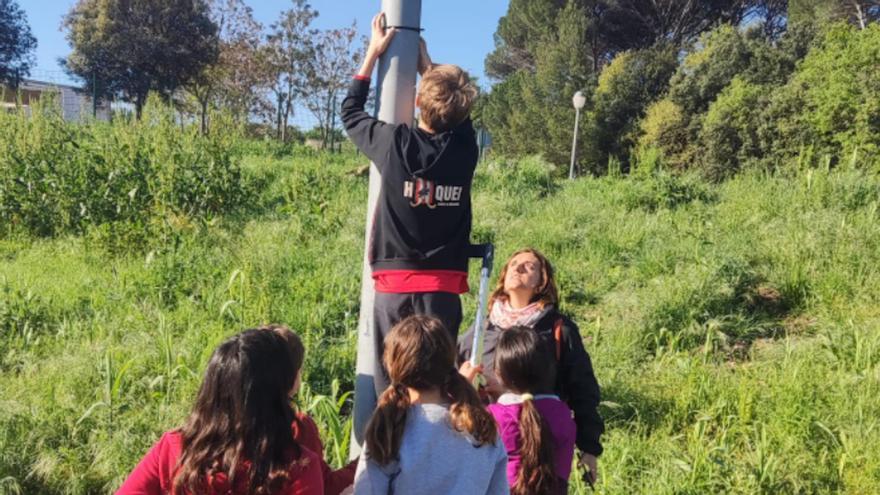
{"x":733,"y":326}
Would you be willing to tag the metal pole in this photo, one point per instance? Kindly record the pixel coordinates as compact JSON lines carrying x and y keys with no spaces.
{"x":487,"y":253}
{"x":395,"y":95}
{"x":574,"y":144}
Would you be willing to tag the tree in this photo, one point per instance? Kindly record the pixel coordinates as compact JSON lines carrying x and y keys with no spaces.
{"x":833,"y":105}
{"x":627,"y":86}
{"x":773,"y":15}
{"x":328,"y":72}
{"x":729,"y":134}
{"x":232,"y":82}
{"x":131,"y":47}
{"x":664,"y":128}
{"x":613,"y":26}
{"x":608,"y":30}
{"x":286,"y":55}
{"x":680,"y":21}
{"x":17,"y":44}
{"x":529,"y":104}
{"x":719,"y":56}
{"x":524,"y":25}
{"x":857,"y":12}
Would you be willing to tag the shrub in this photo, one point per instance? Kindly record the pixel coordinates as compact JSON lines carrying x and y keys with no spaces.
{"x":830,"y":109}
{"x":841,"y":90}
{"x":729,"y":135}
{"x":667,"y":191}
{"x":626,"y":87}
{"x":665,"y":128}
{"x":58,"y":177}
{"x":721,"y":54}
{"x":705,"y":76}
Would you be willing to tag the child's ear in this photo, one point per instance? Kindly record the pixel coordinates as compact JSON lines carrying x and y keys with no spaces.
{"x":418,"y":101}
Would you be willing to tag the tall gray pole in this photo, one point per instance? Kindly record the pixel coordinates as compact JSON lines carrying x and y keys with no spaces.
{"x":395,"y":96}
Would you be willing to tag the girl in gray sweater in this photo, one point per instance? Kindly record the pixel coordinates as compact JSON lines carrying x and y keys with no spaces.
{"x":430,"y":433}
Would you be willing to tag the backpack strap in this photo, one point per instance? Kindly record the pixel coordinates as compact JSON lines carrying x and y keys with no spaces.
{"x":557,"y":337}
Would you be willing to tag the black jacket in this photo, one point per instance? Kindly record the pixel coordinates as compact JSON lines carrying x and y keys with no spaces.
{"x":575,"y":381}
{"x":423,"y":215}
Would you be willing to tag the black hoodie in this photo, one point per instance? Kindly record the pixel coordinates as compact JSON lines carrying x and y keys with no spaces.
{"x":423,"y":215}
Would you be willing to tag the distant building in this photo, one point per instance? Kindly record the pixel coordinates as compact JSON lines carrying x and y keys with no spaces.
{"x":75,"y":104}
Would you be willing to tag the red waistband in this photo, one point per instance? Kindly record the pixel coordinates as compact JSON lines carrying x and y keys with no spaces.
{"x":403,"y":281}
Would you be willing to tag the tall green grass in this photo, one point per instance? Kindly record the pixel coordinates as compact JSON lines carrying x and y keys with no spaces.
{"x":733,"y":327}
{"x":130,"y":181}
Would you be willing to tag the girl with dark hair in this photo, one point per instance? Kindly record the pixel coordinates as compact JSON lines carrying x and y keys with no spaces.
{"x":305,"y":431}
{"x":526,"y":296}
{"x":536,"y":427}
{"x":430,"y":433}
{"x":238,"y":437}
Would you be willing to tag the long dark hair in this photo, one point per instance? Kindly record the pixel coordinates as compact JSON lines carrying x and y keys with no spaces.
{"x":419,"y":354}
{"x":547,"y":294}
{"x":243,"y":414}
{"x":525,"y":366}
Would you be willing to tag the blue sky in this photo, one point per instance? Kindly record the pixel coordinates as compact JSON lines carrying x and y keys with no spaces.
{"x":457,"y":31}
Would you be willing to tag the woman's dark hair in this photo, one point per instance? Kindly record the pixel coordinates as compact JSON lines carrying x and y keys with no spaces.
{"x":525,"y":366}
{"x":420,"y":354}
{"x":243,"y":414}
{"x":547,"y":293}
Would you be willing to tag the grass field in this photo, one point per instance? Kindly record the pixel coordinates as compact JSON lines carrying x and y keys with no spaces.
{"x":734,"y":327}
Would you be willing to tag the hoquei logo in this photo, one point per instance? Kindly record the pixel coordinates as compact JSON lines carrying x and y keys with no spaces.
{"x":429,"y":193}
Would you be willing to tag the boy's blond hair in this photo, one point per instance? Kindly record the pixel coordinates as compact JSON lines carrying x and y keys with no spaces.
{"x":445,"y":97}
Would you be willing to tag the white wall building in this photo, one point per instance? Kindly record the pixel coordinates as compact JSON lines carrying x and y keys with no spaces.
{"x":75,"y":104}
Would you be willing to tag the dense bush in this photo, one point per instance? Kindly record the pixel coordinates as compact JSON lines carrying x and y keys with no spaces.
{"x":665,"y":129}
{"x":839,"y":86}
{"x":718,"y":57}
{"x":58,"y":177}
{"x":829,"y":111}
{"x":740,"y":98}
{"x":736,"y":96}
{"x":626,"y":87}
{"x":773,"y":61}
{"x":729,"y":134}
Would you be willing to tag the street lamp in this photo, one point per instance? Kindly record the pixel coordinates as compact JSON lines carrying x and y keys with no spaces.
{"x":579,"y":100}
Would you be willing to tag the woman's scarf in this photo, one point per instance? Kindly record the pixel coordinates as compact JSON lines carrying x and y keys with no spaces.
{"x":504,"y":316}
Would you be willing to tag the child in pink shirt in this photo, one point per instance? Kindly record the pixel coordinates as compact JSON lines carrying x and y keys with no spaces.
{"x":536,"y":427}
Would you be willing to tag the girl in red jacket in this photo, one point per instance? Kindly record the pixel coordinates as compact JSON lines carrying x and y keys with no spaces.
{"x":238,"y":438}
{"x":305,"y":431}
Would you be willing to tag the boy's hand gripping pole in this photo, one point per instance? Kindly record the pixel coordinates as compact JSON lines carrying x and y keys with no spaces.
{"x":487,"y":253}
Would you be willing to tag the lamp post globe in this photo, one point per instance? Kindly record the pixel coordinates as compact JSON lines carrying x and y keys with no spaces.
{"x":579,"y":100}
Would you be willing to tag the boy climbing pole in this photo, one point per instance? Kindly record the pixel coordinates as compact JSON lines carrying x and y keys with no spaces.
{"x":418,"y":249}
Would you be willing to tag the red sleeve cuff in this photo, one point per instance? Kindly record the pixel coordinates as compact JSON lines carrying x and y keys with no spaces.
{"x":362,"y":78}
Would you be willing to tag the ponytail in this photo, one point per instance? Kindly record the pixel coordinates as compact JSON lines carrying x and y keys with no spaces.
{"x":537,"y":473}
{"x":467,"y":414}
{"x":385,"y":429}
{"x":420,"y":354}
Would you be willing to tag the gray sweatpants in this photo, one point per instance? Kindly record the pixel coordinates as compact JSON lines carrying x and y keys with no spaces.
{"x":390,"y":308}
